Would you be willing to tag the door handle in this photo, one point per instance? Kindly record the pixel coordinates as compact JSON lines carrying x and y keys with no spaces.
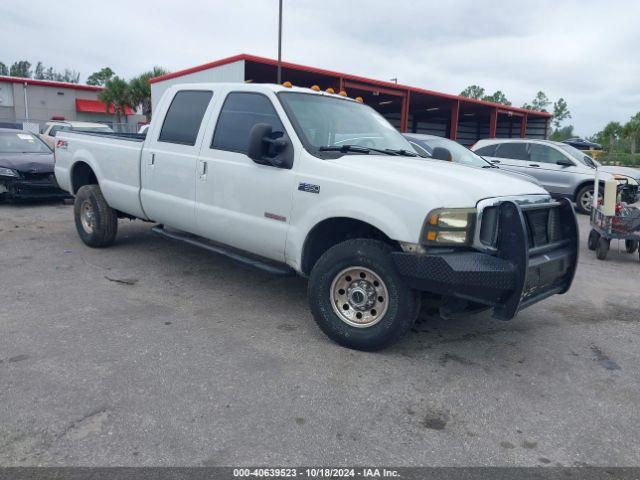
{"x":152,"y":159}
{"x":202,"y":169}
{"x":534,"y":165}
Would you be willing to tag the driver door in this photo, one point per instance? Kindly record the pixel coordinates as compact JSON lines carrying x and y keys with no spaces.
{"x":239,"y":202}
{"x":557,"y":179}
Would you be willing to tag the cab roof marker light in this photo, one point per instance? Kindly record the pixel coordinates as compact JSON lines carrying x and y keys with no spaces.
{"x":287,"y":84}
{"x":315,"y":88}
{"x":359,"y":100}
{"x":342,"y":93}
{"x":330,"y":90}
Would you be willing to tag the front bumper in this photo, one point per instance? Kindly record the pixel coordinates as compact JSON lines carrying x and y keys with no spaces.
{"x":32,"y":187}
{"x":518,"y":274}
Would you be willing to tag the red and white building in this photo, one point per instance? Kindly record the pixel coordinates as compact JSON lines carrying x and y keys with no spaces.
{"x":39,"y":101}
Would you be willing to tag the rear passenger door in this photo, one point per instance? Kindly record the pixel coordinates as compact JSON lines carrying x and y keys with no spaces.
{"x":239,"y":202}
{"x":170,"y":161}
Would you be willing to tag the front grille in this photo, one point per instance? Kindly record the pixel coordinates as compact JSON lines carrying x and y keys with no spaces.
{"x":542,"y":223}
{"x":543,"y":226}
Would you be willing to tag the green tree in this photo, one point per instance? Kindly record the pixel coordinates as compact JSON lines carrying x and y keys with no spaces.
{"x":631,"y":131}
{"x":100,"y":77}
{"x":473,"y":91}
{"x":39,"y":73}
{"x":116,"y":94}
{"x":21,"y":68}
{"x":563,"y":133}
{"x":539,"y":103}
{"x":3,"y":69}
{"x":140,"y":89}
{"x":609,"y":135}
{"x":497,"y":97}
{"x":560,"y":113}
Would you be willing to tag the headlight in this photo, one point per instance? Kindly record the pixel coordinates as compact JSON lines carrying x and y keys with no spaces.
{"x":449,"y":226}
{"x":7,"y":172}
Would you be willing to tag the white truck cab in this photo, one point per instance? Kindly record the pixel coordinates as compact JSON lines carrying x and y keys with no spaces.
{"x":300,"y":181}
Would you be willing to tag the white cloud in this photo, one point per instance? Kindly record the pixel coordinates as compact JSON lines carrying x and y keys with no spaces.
{"x":584,"y":51}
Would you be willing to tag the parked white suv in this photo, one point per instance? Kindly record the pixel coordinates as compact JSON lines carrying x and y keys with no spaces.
{"x":296,"y":181}
{"x":563,"y":170}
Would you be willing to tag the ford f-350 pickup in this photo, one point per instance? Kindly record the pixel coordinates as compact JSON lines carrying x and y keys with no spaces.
{"x":294,"y":180}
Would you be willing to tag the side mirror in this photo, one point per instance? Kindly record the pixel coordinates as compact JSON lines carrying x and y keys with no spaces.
{"x":565,"y":163}
{"x":269,"y":148}
{"x":440,"y":153}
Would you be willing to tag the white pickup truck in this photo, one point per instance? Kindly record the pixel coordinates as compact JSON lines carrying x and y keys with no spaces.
{"x":294,"y":180}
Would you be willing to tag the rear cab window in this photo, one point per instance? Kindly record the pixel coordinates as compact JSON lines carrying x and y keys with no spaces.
{"x":184,"y":117}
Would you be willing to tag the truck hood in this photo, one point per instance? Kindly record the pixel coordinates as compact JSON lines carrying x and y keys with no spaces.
{"x":415,"y":178}
{"x":628,"y":171}
{"x":28,"y":162}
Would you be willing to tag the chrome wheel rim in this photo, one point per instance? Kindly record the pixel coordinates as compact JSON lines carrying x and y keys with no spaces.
{"x":359,"y":297}
{"x":586,"y":201}
{"x":87,"y":216}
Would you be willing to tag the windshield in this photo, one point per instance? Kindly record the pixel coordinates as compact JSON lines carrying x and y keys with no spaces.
{"x":327,"y":122}
{"x":578,"y":155}
{"x":459,"y":153}
{"x":21,"y":142}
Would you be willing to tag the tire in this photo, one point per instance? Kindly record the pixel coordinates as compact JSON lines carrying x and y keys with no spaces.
{"x":584,"y":199}
{"x":603,"y":248}
{"x":631,"y":246}
{"x":96,"y":222}
{"x":592,"y":243}
{"x":382,"y":322}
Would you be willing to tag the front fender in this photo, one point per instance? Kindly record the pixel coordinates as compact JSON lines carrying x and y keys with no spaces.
{"x":400,"y":224}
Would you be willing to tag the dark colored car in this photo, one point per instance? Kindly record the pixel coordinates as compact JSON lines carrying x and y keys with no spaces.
{"x":26,"y":167}
{"x":582,"y":144}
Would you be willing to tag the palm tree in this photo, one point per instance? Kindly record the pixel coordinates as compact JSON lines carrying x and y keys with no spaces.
{"x":631,"y":131}
{"x":141,"y":89}
{"x":116,"y":94}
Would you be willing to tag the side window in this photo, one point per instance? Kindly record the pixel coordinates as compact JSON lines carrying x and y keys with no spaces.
{"x":240,"y":112}
{"x":183,"y":119}
{"x":514,"y":151}
{"x":545,"y":154}
{"x":488,"y":151}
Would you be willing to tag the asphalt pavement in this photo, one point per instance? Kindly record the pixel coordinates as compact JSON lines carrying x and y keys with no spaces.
{"x":153,"y":352}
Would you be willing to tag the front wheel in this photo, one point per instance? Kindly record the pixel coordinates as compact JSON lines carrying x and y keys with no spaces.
{"x":96,"y":221}
{"x":357,"y":297}
{"x":603,"y":248}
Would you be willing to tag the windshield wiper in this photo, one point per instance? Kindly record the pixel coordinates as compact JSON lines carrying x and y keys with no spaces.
{"x":355,"y":148}
{"x":403,"y":152}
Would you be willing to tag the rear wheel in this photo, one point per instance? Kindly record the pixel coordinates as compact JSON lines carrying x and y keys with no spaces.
{"x":96,"y":222}
{"x":584,"y":199}
{"x":592,"y":243}
{"x":631,"y":246}
{"x":603,"y":248}
{"x":357,"y":297}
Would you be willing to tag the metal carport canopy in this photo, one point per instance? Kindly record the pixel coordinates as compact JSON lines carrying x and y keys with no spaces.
{"x":408,"y":108}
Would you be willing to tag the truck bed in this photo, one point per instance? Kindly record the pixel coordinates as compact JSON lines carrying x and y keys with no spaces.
{"x":115,"y":159}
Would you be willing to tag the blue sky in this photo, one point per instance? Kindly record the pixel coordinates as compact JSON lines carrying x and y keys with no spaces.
{"x":585,"y":51}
